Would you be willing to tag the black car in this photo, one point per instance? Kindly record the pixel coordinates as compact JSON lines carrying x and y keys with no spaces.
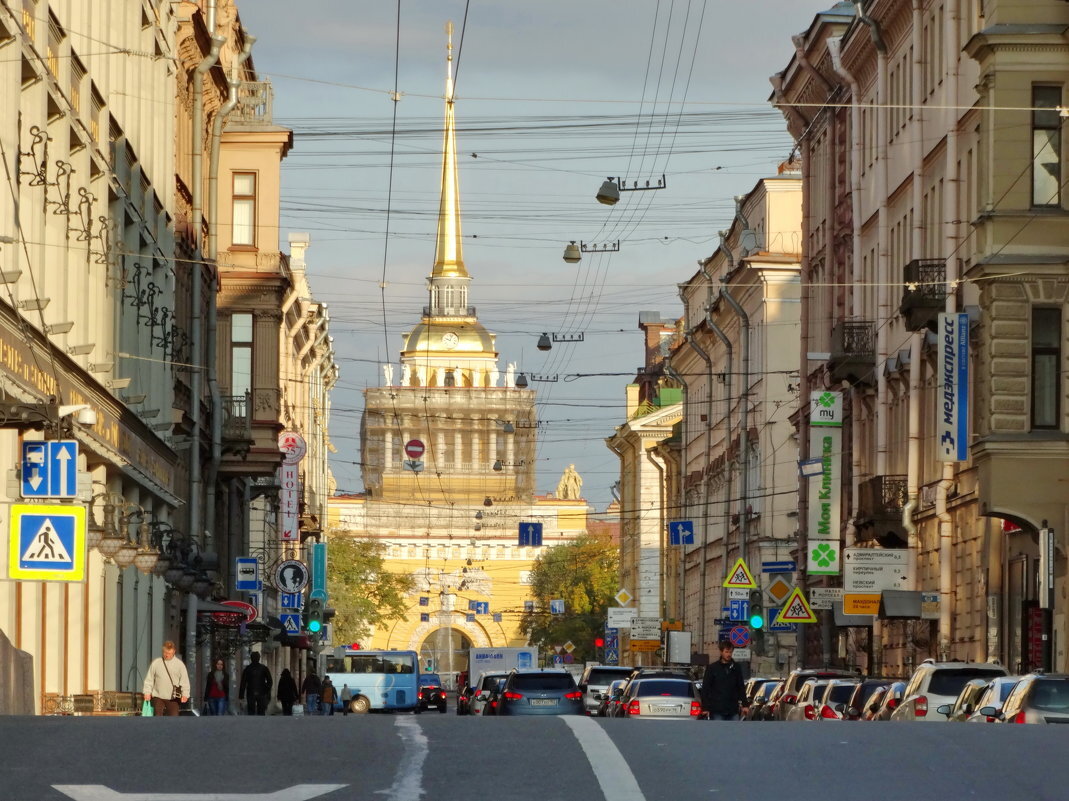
{"x":431,"y":692}
{"x":464,"y":694}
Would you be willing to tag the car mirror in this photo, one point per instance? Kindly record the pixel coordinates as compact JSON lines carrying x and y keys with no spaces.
{"x":853,"y":712}
{"x":943,"y":710}
{"x":990,"y":712}
{"x":599,"y":697}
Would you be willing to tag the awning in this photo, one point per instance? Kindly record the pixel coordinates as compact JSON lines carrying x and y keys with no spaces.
{"x":843,"y":619}
{"x":301,"y":641}
{"x":215,"y":606}
{"x":900,"y":604}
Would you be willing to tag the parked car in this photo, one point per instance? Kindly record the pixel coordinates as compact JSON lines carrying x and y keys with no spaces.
{"x":596,"y":680}
{"x":759,"y":706}
{"x":771,"y":707}
{"x":864,"y":693}
{"x":994,"y":696}
{"x":805,"y":707}
{"x":831,"y":705}
{"x":1036,"y":698}
{"x":965,"y":704}
{"x":660,"y":698}
{"x":464,"y":695}
{"x":489,"y":685}
{"x":540,"y":692}
{"x":753,"y":687}
{"x":786,"y":702}
{"x":889,"y":702}
{"x":936,"y":683}
{"x":609,"y":700}
{"x":431,"y":692}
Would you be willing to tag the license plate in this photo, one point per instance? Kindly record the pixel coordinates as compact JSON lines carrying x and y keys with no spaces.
{"x":543,"y":702}
{"x":664,"y":709}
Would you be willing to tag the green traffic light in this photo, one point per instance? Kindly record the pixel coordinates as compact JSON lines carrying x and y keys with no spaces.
{"x":314,"y":626}
{"x":757,"y":621}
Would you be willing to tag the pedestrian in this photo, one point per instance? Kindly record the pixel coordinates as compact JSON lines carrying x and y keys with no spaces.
{"x":287,"y":691}
{"x":723,"y":693}
{"x":166,"y":683}
{"x":327,"y":696}
{"x":310,"y":690}
{"x":346,"y":698}
{"x":255,"y":686}
{"x":217,"y":689}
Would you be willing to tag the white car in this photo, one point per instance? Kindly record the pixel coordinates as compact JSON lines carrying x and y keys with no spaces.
{"x":660,"y":698}
{"x":596,"y":680}
{"x":934,"y":684}
{"x":488,"y":686}
{"x":809,"y":698}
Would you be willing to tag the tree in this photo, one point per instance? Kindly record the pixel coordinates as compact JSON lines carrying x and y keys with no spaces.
{"x":362,"y":591}
{"x":584,"y":574}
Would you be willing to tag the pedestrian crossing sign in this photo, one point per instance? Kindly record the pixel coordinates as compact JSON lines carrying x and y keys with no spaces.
{"x":796,"y":609}
{"x":740,"y":576}
{"x":47,"y":542}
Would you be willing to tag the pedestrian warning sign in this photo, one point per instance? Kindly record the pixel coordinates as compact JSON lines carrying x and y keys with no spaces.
{"x":740,"y":576}
{"x":47,"y":542}
{"x":45,"y":545}
{"x":796,"y":609}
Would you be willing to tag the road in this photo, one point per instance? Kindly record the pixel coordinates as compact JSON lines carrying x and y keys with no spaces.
{"x":449,"y":758}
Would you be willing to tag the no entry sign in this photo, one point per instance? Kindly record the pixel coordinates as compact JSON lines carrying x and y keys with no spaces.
{"x":414,"y":449}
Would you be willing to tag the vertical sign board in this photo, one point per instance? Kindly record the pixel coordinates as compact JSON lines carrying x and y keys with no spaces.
{"x":825,"y":490}
{"x":319,"y":572}
{"x":246,"y":574}
{"x":293,"y":448}
{"x":952,"y":415}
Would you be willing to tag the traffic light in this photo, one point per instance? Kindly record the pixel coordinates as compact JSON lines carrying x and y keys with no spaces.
{"x":599,"y":642}
{"x":757,"y":620}
{"x":313,"y":616}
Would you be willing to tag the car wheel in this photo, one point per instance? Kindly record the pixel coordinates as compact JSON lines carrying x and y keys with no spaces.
{"x":360,"y":705}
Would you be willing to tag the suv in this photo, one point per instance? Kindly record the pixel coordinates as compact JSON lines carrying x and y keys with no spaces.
{"x":431,"y":692}
{"x":596,"y":680}
{"x":936,"y":683}
{"x":483,"y":700}
{"x":789,"y":696}
{"x":1036,"y":698}
{"x":540,"y":692}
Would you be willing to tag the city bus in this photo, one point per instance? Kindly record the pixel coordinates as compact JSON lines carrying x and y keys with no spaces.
{"x":378,"y":680}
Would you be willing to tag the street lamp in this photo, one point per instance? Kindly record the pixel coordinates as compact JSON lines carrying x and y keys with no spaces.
{"x":572,"y":253}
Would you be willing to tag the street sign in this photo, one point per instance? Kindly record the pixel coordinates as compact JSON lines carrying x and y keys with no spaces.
{"x":319,"y":572}
{"x":415,"y":465}
{"x":246,"y":573}
{"x":681,"y":532}
{"x":645,"y":646}
{"x":739,"y":593}
{"x":779,"y":628}
{"x":623,"y":597}
{"x":612,"y":656}
{"x":291,"y":576}
{"x":740,"y":576}
{"x":646,"y":628}
{"x":290,"y":600}
{"x":414,"y":449}
{"x":929,"y":606}
{"x":291,"y":623}
{"x":778,"y":589}
{"x":569,"y":646}
{"x":861,"y":603}
{"x":739,"y":636}
{"x":531,"y":535}
{"x":796,"y":610}
{"x":788,"y":566}
{"x":556,"y":607}
{"x":620,"y":617}
{"x":47,"y":542}
{"x":823,"y":557}
{"x":869,"y":570}
{"x":824,"y":597}
{"x":482,"y":607}
{"x":50,"y":469}
{"x":738,"y":609}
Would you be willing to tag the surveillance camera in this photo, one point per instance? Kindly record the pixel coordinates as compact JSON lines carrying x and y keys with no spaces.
{"x":86,"y":417}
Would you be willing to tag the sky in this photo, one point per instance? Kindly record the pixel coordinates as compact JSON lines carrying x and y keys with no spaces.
{"x":552,"y":98}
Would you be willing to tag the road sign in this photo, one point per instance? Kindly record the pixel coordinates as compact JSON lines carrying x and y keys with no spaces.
{"x":569,"y":646}
{"x":929,"y":606}
{"x":414,"y":448}
{"x":796,"y":609}
{"x":531,"y":535}
{"x":788,"y":566}
{"x":415,"y":465}
{"x":739,"y":636}
{"x":645,"y":646}
{"x":869,"y":570}
{"x":646,"y":628}
{"x":319,"y":572}
{"x":47,"y":543}
{"x":291,"y":622}
{"x":247,"y":573}
{"x":773,"y":613}
{"x":50,"y":469}
{"x":558,"y":659}
{"x":612,"y":656}
{"x":556,"y":607}
{"x":681,"y":532}
{"x":290,"y":600}
{"x":778,"y":589}
{"x":861,"y":603}
{"x":482,"y":607}
{"x":623,"y":597}
{"x":620,"y":617}
{"x":824,"y":597}
{"x":738,"y":609}
{"x":740,"y":576}
{"x":738,"y":592}
{"x":291,"y":576}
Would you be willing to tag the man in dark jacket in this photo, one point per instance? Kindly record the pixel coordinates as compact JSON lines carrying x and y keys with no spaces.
{"x":723,"y":692}
{"x":255,"y":686}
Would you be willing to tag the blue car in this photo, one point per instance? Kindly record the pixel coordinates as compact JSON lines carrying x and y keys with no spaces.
{"x":540,"y":692}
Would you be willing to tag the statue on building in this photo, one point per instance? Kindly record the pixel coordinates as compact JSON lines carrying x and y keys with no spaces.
{"x":387,"y":372}
{"x":570,"y":486}
{"x":494,"y":376}
{"x":510,"y":375}
{"x":406,"y":374}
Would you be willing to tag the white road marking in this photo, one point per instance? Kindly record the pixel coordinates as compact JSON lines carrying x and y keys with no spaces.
{"x":98,"y":792}
{"x":408,"y":781}
{"x":610,"y":768}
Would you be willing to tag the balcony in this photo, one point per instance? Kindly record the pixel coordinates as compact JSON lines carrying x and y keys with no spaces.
{"x":464,"y":311}
{"x":853,"y":352}
{"x":250,"y":433}
{"x":879,"y":510}
{"x":925,"y":294}
{"x":237,"y":424}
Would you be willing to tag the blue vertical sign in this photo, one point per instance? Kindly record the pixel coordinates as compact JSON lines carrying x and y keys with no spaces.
{"x":531,"y":535}
{"x":50,"y":469}
{"x":952,"y":409}
{"x":319,"y":573}
{"x":246,"y":573}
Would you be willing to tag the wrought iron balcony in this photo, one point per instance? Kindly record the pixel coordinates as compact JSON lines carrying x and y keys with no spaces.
{"x":853,"y":352}
{"x":881,"y":498}
{"x":237,"y":423}
{"x":925,"y":294}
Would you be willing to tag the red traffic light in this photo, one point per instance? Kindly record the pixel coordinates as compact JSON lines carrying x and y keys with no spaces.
{"x":599,"y":642}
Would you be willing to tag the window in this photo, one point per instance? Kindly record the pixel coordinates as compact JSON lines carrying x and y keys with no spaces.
{"x":55,"y":43}
{"x":1046,"y":146}
{"x":1046,"y":358}
{"x":244,"y":208}
{"x":241,"y":354}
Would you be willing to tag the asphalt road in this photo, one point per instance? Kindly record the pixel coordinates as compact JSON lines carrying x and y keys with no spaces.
{"x":448,"y":758}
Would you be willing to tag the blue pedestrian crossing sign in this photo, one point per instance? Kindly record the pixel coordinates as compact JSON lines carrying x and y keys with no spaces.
{"x":531,"y":535}
{"x":681,"y":532}
{"x":291,"y":623}
{"x":47,"y":543}
{"x":50,"y":469}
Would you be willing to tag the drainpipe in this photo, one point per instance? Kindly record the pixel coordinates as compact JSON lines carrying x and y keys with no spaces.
{"x":729,"y":362}
{"x":675,"y":376}
{"x":708,"y":449}
{"x":661,"y":532}
{"x":744,"y":422}
{"x":722,"y":248}
{"x":952,"y":47}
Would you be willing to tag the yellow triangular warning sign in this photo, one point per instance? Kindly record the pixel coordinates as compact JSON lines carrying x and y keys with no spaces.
{"x":740,"y":576}
{"x":796,"y":609}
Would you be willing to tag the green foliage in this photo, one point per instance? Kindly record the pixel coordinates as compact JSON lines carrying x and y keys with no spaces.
{"x":364,"y":594}
{"x":585,"y":575}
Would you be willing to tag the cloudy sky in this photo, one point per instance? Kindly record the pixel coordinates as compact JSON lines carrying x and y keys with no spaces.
{"x":552,"y":97}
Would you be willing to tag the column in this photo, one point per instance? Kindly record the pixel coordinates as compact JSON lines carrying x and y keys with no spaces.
{"x":458,"y":448}
{"x":439,"y":451}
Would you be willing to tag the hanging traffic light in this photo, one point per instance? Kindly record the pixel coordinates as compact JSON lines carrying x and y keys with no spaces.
{"x":757,"y":610}
{"x":313,"y":616}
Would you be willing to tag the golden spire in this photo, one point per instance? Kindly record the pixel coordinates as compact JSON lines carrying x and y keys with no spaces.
{"x":449,"y":258}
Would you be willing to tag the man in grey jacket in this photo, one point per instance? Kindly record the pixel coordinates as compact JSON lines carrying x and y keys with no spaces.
{"x":166,"y":683}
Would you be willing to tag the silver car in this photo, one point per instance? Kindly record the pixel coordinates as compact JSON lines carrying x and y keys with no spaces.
{"x":489,"y":685}
{"x":660,"y":698}
{"x":1036,"y":698}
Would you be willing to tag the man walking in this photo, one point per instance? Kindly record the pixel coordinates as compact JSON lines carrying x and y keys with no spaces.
{"x":255,"y":686}
{"x":723,"y":693}
{"x":166,"y":683}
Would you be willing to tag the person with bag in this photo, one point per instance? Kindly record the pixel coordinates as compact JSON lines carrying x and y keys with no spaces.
{"x":255,"y":686}
{"x":287,"y":692}
{"x":166,"y":683}
{"x":723,"y":692}
{"x":327,"y":696}
{"x":310,"y":690}
{"x":217,"y":689}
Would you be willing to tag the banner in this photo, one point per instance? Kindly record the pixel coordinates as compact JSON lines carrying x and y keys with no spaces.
{"x":825,"y":490}
{"x":952,"y":408}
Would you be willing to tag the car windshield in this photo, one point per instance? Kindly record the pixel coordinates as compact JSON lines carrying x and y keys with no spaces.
{"x":839,"y":693}
{"x":951,"y":682}
{"x":542,"y":681}
{"x":664,"y":687}
{"x":430,"y":680}
{"x":492,"y":682}
{"x":866,"y":692}
{"x":604,"y":676}
{"x":768,"y":688}
{"x":1051,"y":695}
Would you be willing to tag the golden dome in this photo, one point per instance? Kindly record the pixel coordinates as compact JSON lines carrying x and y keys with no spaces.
{"x":444,"y":337}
